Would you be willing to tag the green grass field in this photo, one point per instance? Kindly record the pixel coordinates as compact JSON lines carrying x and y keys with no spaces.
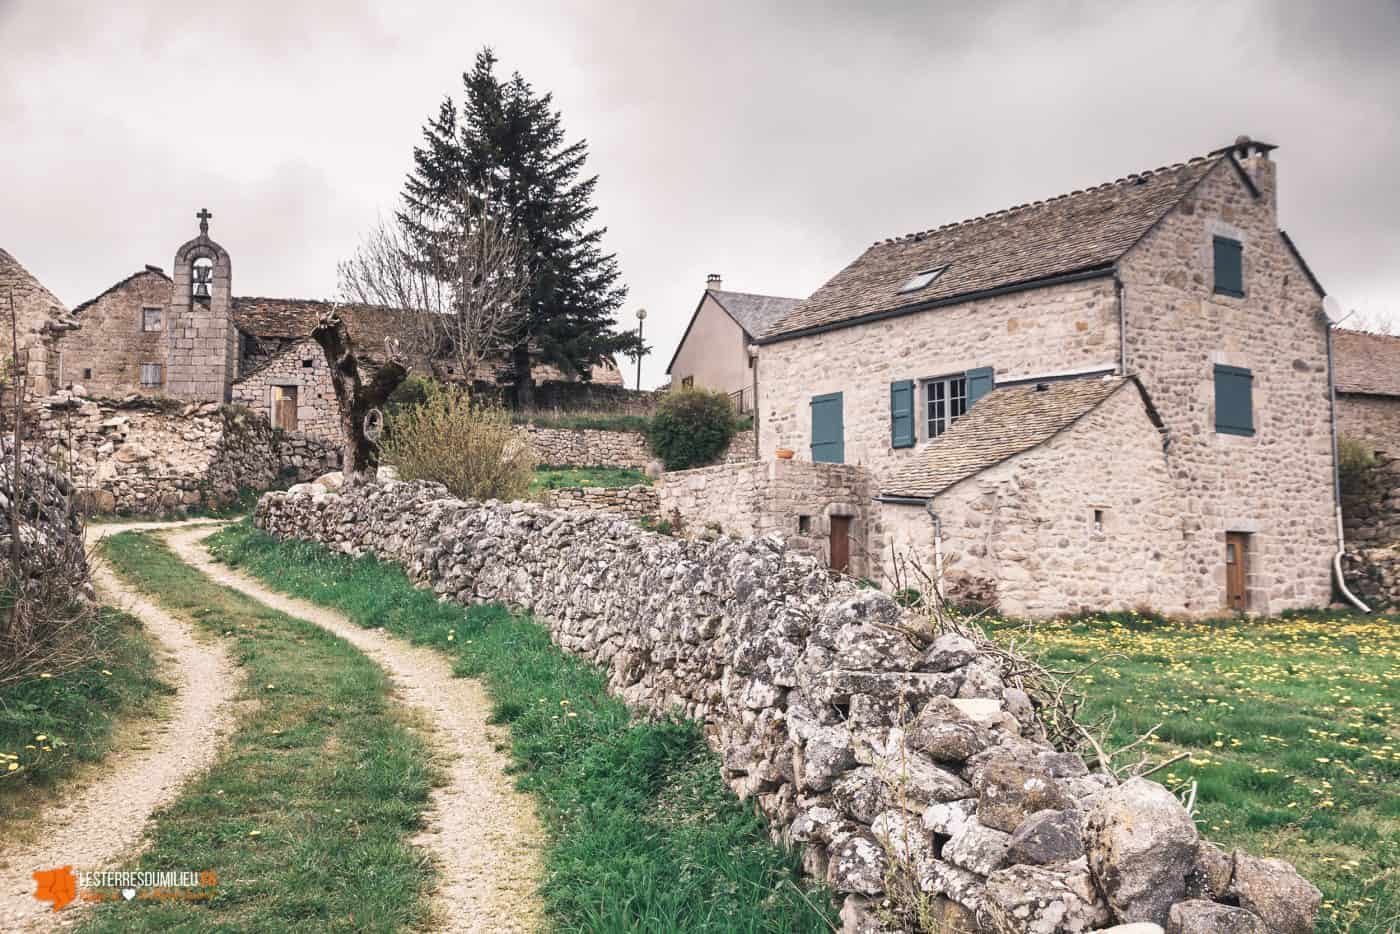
{"x":307,"y":815}
{"x":1292,"y":730}
{"x":644,"y":835}
{"x":53,"y":723}
{"x":553,"y":478}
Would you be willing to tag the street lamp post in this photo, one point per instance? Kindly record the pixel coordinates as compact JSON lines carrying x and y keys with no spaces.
{"x":641,"y":317}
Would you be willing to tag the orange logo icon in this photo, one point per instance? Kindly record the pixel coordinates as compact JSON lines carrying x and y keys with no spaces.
{"x":59,"y":886}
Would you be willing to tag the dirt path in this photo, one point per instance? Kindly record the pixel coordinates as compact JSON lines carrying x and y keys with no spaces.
{"x":102,"y":814}
{"x":482,"y":831}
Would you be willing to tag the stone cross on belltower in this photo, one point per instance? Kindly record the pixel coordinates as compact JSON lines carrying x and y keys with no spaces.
{"x":204,"y":216}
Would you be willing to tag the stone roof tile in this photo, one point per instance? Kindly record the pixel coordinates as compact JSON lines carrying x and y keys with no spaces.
{"x":1366,"y":363}
{"x":755,"y":313}
{"x":1077,"y":232}
{"x":1007,"y":421}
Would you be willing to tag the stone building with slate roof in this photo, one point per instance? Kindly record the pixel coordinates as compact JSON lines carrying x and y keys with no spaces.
{"x":714,"y":351}
{"x":1368,"y":388}
{"x":1117,"y":397}
{"x":186,"y":335}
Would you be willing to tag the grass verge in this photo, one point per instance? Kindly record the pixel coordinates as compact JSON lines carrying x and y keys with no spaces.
{"x":553,"y":478}
{"x":1291,"y":729}
{"x":307,"y":815}
{"x":50,"y":725}
{"x":644,"y":835}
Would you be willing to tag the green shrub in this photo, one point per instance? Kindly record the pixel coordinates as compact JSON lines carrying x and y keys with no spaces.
{"x":1354,"y":455}
{"x":470,"y":448}
{"x":692,"y":427}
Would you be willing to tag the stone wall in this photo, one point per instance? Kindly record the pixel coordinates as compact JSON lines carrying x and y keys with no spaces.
{"x":1090,"y":519}
{"x":301,"y":366}
{"x":1371,"y":514}
{"x":145,"y":456}
{"x":1276,"y":485}
{"x":741,"y":449}
{"x":794,"y":499}
{"x":588,"y":447}
{"x":634,"y":502}
{"x":799,"y":677}
{"x":1374,"y":420}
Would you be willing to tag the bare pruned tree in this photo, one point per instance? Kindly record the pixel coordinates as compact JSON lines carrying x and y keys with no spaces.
{"x":462,"y":298}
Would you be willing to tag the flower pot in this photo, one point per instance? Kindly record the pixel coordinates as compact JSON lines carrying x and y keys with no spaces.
{"x":784,"y":454}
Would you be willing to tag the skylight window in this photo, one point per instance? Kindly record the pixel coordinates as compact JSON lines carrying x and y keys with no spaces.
{"x":923,"y":279}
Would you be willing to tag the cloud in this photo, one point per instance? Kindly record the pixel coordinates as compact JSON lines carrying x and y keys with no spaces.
{"x":770,"y":142}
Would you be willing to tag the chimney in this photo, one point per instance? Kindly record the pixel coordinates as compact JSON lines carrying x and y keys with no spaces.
{"x":713,"y":282}
{"x":1253,"y":157}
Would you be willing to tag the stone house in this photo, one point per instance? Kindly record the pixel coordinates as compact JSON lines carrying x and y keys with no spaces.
{"x":40,"y":319}
{"x":714,"y":351}
{"x":187,"y":335}
{"x":1113,"y":397}
{"x":1368,"y":388}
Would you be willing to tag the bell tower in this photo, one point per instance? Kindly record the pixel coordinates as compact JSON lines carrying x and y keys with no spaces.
{"x":201,"y":341}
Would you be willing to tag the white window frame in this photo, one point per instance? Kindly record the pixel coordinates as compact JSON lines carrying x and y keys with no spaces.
{"x":159,"y":371}
{"x":160,"y":319}
{"x":946,"y":394}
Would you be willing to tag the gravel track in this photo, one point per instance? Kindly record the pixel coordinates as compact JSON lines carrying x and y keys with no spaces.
{"x":482,"y":832}
{"x":100,"y":816}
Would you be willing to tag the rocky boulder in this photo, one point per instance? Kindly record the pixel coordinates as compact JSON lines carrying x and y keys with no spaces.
{"x":1206,"y":917}
{"x":1274,"y":891}
{"x":1045,"y":900}
{"x":1141,"y":845}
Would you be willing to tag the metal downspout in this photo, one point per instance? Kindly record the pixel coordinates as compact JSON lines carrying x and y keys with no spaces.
{"x":937,"y":547}
{"x":1337,"y":481}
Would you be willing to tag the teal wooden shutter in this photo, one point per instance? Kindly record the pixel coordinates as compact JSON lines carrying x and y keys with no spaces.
{"x":828,"y":430}
{"x":979,"y":382}
{"x":1234,"y":400}
{"x":902,"y":413}
{"x":1229,"y":267}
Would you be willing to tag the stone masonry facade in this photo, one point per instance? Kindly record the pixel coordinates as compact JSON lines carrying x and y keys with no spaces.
{"x":301,"y":368}
{"x":1022,"y":334}
{"x":862,"y":732}
{"x":112,"y":366}
{"x":202,"y":342}
{"x":635,"y":502}
{"x":1089,"y":519}
{"x":794,"y":499}
{"x":1276,"y":485}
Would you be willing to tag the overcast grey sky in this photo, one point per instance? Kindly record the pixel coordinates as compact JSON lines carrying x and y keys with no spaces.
{"x":770,"y":142}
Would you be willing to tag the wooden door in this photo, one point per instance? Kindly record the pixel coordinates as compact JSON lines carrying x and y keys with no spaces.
{"x":284,"y":407}
{"x":840,"y":543}
{"x":1236,"y":571}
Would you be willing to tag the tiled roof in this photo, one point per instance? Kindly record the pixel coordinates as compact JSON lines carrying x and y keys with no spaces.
{"x":755,"y":313}
{"x":1077,"y":232}
{"x":1003,"y":423}
{"x":14,"y":276}
{"x":297,"y":317}
{"x":1368,"y":363}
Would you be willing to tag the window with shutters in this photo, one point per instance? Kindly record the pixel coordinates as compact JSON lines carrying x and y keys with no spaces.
{"x":1229,"y":267}
{"x":828,"y":429}
{"x":945,"y":401}
{"x":1234,"y":400}
{"x":150,"y":319}
{"x":150,"y":375}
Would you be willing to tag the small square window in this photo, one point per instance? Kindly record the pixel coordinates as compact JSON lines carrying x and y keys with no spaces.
{"x":151,"y":375}
{"x":307,"y":364}
{"x":150,"y":319}
{"x":688,"y":381}
{"x":804,"y":524}
{"x":922,"y":279}
{"x":87,"y":372}
{"x":1098,"y":520}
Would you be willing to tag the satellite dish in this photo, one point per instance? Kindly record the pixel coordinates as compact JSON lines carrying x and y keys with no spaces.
{"x":1333,"y":310}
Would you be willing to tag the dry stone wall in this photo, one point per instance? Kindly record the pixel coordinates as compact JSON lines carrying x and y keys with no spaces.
{"x":800,"y":679}
{"x":634,"y":502}
{"x":1372,"y":419}
{"x":1371,"y":513}
{"x":147,"y":456}
{"x":588,"y":447}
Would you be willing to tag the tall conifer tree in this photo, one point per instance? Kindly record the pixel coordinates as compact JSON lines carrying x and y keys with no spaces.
{"x":505,"y":145}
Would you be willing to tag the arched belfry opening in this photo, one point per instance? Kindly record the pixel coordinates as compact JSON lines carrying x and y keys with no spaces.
{"x":202,"y":342}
